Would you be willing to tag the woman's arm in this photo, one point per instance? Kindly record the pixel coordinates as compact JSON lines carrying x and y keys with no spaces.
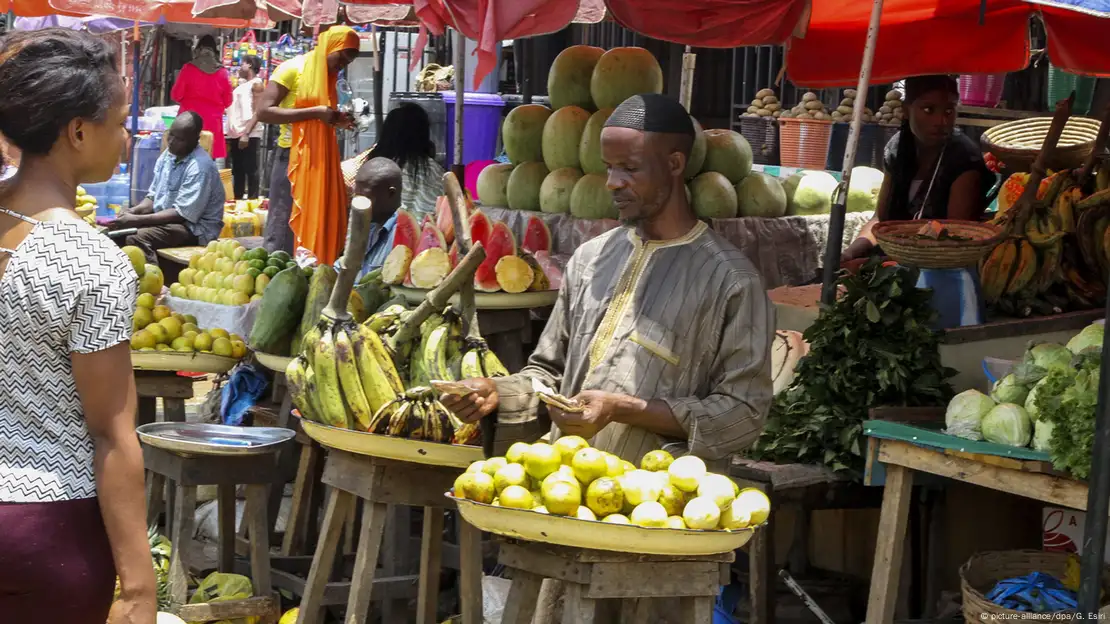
{"x":106,"y":386}
{"x":269,"y":110}
{"x":965,"y":198}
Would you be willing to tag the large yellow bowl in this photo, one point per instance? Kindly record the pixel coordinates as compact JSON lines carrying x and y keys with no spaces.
{"x":389,"y":447}
{"x":539,"y":527}
{"x":276,"y":363}
{"x":195,"y":362}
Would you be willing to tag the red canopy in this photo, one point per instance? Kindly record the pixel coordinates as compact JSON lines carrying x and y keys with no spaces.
{"x":177,"y":11}
{"x":276,"y":10}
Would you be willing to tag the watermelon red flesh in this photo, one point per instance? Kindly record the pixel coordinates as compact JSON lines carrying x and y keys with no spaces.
{"x":500,"y":244}
{"x":406,"y":231}
{"x":453,"y":254}
{"x":430,"y":237}
{"x":444,"y":220}
{"x":480,"y":228}
{"x":537,"y":236}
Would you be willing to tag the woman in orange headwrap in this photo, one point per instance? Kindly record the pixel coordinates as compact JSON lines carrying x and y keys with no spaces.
{"x":311,"y":210}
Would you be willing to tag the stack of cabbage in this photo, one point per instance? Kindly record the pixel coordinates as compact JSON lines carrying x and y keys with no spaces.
{"x":1048,"y":400}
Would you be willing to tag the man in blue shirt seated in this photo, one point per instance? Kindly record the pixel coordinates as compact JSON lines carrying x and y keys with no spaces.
{"x":185,"y":204}
{"x":380,"y":180}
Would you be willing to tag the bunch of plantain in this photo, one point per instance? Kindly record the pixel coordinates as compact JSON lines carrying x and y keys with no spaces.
{"x":417,"y":414}
{"x":1035,"y":270}
{"x":343,"y":376}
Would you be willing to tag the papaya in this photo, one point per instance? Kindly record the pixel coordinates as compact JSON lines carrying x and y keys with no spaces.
{"x":277,"y":313}
{"x":319,"y":291}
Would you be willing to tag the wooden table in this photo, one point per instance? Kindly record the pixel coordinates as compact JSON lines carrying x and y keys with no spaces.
{"x":378,"y":483}
{"x":893,"y":463}
{"x":805,"y":488}
{"x":172,"y":388}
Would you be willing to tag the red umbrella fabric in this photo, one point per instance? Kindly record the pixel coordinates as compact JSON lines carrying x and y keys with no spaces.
{"x":276,"y":10}
{"x":176,"y":11}
{"x":712,"y":23}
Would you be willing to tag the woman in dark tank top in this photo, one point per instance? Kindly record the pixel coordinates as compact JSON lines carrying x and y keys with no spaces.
{"x":933,"y":170}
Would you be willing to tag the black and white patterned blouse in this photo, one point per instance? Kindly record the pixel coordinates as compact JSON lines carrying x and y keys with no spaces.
{"x":66,"y":289}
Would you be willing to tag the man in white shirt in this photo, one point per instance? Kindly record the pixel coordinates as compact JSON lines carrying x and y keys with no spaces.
{"x":244,"y":138}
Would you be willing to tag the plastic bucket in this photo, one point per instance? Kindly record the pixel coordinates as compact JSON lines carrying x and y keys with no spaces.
{"x":804,"y":143}
{"x":1062,"y":83}
{"x":481,"y":122}
{"x":471,"y":175}
{"x":146,"y":156}
{"x":762,"y":134}
{"x":869,"y":153}
{"x":981,"y":89}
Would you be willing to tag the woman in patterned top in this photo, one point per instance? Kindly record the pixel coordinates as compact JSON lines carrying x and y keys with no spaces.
{"x":406,"y":140}
{"x":71,"y":470}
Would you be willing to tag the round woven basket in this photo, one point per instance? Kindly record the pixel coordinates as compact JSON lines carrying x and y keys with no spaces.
{"x":1017,"y":142}
{"x":899,"y":240}
{"x":804,"y":143}
{"x":979,"y":575}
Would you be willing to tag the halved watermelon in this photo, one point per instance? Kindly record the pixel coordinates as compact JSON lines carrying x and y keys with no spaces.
{"x":406,"y":232}
{"x":430,"y":237}
{"x":480,"y":228}
{"x":445,"y":221}
{"x":550,"y":269}
{"x":500,"y":244}
{"x":537,"y":236}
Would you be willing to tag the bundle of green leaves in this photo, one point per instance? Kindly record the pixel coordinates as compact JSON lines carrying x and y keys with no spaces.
{"x":875,"y":346}
{"x":1067,"y":399}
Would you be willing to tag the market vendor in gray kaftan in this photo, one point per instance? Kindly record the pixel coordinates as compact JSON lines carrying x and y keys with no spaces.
{"x":662,"y":328}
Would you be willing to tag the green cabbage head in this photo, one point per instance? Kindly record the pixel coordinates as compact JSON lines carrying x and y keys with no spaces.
{"x":1049,"y":355}
{"x":1007,"y":424}
{"x":1042,"y":435}
{"x":1091,"y":336}
{"x":1009,"y":390}
{"x":965,"y":413}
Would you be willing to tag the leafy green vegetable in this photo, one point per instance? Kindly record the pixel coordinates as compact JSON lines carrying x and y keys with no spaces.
{"x":873,"y":347}
{"x":1068,"y":399}
{"x":964,"y":415}
{"x":1091,"y":336}
{"x":1007,"y":424}
{"x":1009,"y":390}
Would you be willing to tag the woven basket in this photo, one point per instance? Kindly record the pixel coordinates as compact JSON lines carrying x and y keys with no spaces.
{"x":979,"y":575}
{"x":899,"y":241}
{"x":1016,"y":143}
{"x":763,"y":135}
{"x":229,"y":187}
{"x":804,"y":143}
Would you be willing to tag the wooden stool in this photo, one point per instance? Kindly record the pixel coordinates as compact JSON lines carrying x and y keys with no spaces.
{"x":592,"y":575}
{"x":172,"y":388}
{"x":380,"y":483}
{"x":185,"y":473}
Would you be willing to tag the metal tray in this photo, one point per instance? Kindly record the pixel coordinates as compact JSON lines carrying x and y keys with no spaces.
{"x":539,"y":527}
{"x":205,"y":439}
{"x":389,"y":447}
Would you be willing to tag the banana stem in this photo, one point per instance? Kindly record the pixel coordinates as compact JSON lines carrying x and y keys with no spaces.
{"x":1100,"y":145}
{"x":358,"y":237}
{"x":439,"y":296}
{"x":1024,"y":204}
{"x":457,"y":200}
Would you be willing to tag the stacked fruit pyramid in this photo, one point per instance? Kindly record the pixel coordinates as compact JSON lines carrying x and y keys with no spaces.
{"x":227,"y":273}
{"x":1056,"y":253}
{"x":555,"y":153}
{"x":569,"y":478}
{"x":423,"y":255}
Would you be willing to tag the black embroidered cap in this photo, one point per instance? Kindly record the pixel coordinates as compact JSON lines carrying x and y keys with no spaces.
{"x":651,"y":112}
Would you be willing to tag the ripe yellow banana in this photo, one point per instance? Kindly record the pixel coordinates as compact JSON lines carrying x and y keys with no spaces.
{"x":327,"y":380}
{"x":308,"y":343}
{"x":295,"y":382}
{"x":1025,"y":270}
{"x":435,"y":354}
{"x":1042,"y":230}
{"x":996,"y":269}
{"x":379,"y":424}
{"x":398,"y":420}
{"x":374,"y":344}
{"x":381,"y":321}
{"x":1064,"y":208}
{"x":313,"y":391}
{"x":375,"y":386}
{"x":349,"y":381}
{"x":1049,"y":271}
{"x":471,"y":367}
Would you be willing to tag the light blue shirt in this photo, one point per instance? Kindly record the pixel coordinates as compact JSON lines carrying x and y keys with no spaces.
{"x":193,"y":187}
{"x":379,"y":245}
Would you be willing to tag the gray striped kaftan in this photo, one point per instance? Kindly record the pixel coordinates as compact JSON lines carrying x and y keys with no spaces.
{"x":685,"y":321}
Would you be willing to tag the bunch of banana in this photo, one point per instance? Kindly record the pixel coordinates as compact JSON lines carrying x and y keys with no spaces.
{"x":343,"y":376}
{"x":1008,"y":269}
{"x":416,"y":414}
{"x":478,"y":360}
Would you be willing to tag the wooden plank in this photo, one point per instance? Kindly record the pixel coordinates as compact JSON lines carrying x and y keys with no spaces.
{"x":398,"y":483}
{"x":180,"y":255}
{"x":1045,"y":488}
{"x":225,"y":523}
{"x":366,"y":561}
{"x":296,"y":527}
{"x":180,"y":536}
{"x":761,"y":564}
{"x":1010,"y":463}
{"x":578,"y":608}
{"x":524,"y":592}
{"x":887,"y":570}
{"x":209,"y":470}
{"x":1009,"y":328}
{"x":470,"y":572}
{"x":312,"y":607}
{"x":155,"y":497}
{"x":228,"y":610}
{"x":903,"y":414}
{"x":337,"y":593}
{"x":256,"y":519}
{"x":544,"y":564}
{"x":146,"y":411}
{"x":584,"y":555}
{"x":161,"y":387}
{"x":636,"y":580}
{"x":173,"y":410}
{"x":996,"y":112}
{"x":430,"y":564}
{"x":698,"y":610}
